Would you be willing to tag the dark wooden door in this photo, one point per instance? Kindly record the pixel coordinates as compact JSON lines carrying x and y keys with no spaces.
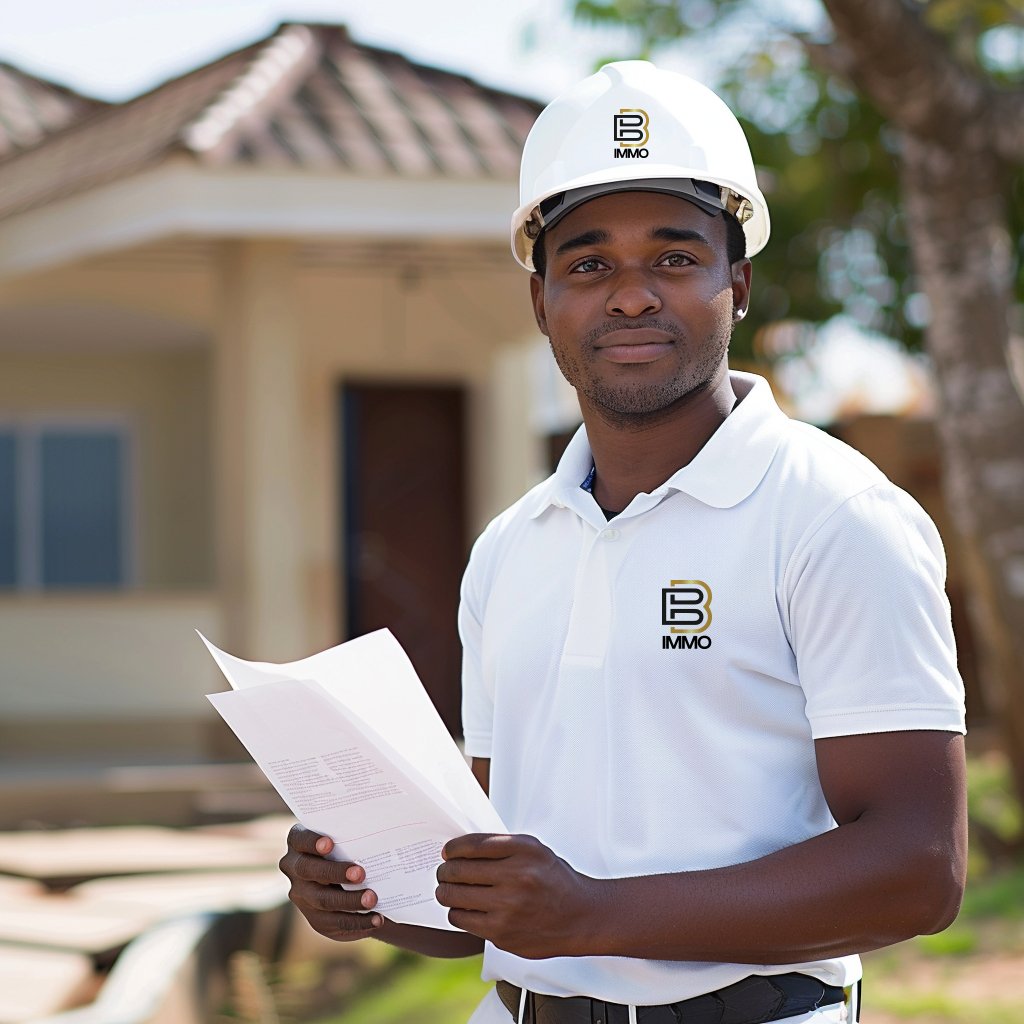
{"x":403,"y":501}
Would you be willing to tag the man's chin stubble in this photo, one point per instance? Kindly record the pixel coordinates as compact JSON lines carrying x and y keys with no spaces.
{"x":639,"y":409}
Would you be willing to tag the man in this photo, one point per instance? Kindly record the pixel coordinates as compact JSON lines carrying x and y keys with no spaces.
{"x":709,"y":676}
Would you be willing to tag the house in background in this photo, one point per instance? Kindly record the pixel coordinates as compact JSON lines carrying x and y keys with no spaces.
{"x":264,"y":367}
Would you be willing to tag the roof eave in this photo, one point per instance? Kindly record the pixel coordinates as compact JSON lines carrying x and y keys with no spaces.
{"x":180,"y":198}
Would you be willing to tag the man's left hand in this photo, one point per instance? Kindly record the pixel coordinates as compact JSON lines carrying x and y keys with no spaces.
{"x":515,"y":892}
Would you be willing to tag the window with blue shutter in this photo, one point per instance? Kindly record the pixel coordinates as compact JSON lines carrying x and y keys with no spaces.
{"x":64,"y":511}
{"x":8,"y":509}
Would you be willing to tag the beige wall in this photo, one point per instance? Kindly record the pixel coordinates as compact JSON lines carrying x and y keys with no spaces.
{"x":108,"y":675}
{"x":118,"y":656}
{"x":130,"y":657}
{"x":165,"y":281}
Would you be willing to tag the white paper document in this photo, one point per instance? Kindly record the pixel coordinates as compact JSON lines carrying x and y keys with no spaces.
{"x":317,"y":728}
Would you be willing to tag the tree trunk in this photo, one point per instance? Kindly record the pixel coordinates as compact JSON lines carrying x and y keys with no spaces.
{"x":957,"y":223}
{"x":960,"y":133}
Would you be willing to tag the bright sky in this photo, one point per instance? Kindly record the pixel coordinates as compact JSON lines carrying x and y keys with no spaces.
{"x":115,"y":49}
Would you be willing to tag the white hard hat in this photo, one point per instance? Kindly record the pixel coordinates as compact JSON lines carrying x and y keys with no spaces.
{"x":633,"y":126}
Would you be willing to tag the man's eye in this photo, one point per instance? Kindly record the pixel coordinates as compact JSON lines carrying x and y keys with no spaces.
{"x":587,"y":266}
{"x":676,"y":259}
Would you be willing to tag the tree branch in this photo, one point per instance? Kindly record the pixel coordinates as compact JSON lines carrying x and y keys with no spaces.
{"x":829,"y":58}
{"x":906,"y":69}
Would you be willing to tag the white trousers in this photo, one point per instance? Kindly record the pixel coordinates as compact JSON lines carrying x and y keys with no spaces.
{"x":492,"y":1011}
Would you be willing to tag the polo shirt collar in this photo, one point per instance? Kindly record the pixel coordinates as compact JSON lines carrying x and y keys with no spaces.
{"x":724,"y":472}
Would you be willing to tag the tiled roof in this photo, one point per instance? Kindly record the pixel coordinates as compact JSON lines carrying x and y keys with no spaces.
{"x":31,"y":109}
{"x":306,"y":97}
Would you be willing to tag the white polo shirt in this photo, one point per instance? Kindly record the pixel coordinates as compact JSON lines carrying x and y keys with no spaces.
{"x":649,"y":689}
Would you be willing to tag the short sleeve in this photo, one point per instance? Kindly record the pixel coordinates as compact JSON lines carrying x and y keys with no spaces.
{"x":870,"y":622}
{"x":477,"y":698}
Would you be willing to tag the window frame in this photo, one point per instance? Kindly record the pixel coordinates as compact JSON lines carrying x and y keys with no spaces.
{"x":28,"y":429}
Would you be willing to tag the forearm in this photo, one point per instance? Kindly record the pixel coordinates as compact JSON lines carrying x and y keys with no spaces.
{"x":846,"y":891}
{"x":429,"y":941}
{"x":895,"y":867}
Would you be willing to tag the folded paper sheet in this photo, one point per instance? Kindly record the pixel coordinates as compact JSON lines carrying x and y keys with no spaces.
{"x":317,"y":728}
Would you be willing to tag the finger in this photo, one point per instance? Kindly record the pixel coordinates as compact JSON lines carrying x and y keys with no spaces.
{"x":304,"y":840}
{"x":479,"y":844}
{"x":345,"y":926}
{"x":471,"y":871}
{"x":332,"y":899}
{"x":465,"y":897}
{"x":318,"y":869}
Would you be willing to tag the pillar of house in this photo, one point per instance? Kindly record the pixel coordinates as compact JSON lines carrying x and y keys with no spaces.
{"x":516,"y":454}
{"x":259,"y":452}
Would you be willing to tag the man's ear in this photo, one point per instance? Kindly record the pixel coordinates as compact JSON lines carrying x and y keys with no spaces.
{"x":741,"y":273}
{"x":537,"y":295}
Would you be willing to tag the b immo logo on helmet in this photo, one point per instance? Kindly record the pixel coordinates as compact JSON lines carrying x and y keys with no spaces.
{"x":631,"y":130}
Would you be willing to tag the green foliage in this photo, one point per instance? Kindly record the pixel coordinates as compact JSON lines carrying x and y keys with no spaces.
{"x":828,"y":161}
{"x":957,"y":940}
{"x":1015,"y":203}
{"x":935,"y":1007}
{"x":838,"y":244}
{"x":984,"y":35}
{"x":656,"y":23}
{"x":999,"y":896}
{"x":419,"y":990}
{"x":991,"y":800}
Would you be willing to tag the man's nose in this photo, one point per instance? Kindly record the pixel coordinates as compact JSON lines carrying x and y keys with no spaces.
{"x":633,"y":294}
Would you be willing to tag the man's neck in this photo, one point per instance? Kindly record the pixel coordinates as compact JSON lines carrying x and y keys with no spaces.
{"x":635,"y":458}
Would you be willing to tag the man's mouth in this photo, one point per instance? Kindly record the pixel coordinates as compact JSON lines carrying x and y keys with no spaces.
{"x":634,"y":345}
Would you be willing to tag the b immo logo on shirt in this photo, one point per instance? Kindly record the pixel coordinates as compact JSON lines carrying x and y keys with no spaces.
{"x":631,"y":132}
{"x":686,"y":610}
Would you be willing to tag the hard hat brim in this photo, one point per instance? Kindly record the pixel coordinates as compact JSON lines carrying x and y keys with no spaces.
{"x":756,"y":228}
{"x":555,"y":207}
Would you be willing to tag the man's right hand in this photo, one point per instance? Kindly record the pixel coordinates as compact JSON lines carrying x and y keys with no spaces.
{"x":316,"y":890}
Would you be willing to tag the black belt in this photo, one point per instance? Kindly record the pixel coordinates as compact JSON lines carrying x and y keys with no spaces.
{"x":754,"y":1000}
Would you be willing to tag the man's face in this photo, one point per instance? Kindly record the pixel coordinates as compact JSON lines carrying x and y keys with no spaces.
{"x":638,"y":301}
